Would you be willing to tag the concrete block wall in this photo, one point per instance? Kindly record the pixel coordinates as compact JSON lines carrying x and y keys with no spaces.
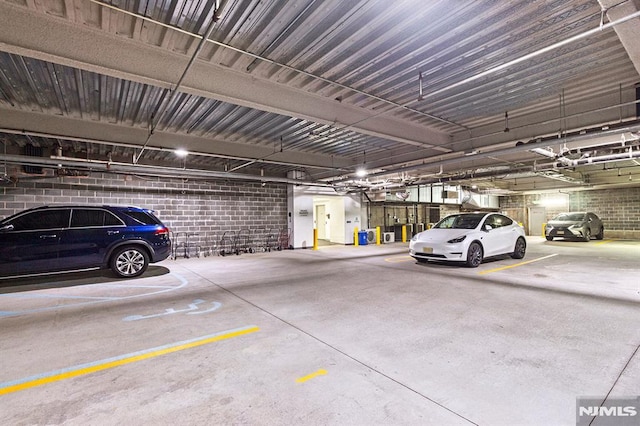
{"x":203,"y":209}
{"x":619,"y":208}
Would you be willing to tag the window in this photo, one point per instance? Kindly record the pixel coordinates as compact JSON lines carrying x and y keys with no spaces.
{"x":143,"y":217}
{"x":42,"y":219}
{"x":498,"y":220}
{"x":464,"y":221}
{"x":571,"y":217}
{"x":83,"y":218}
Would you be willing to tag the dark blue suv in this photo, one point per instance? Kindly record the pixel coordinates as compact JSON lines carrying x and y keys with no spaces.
{"x":57,"y":238}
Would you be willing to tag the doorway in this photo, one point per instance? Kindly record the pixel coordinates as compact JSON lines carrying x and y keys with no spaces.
{"x":322,"y":222}
{"x":537,"y":217}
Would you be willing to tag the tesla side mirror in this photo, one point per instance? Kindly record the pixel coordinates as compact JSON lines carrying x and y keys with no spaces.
{"x":488,"y":228}
{"x":6,"y":228}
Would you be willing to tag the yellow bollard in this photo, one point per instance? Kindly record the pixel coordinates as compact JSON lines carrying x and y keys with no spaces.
{"x":544,"y":225}
{"x":377,"y":235}
{"x":315,"y":238}
{"x":355,"y":236}
{"x":404,"y":233}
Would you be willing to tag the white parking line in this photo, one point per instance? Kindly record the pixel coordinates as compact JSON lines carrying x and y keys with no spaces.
{"x":183,"y":282}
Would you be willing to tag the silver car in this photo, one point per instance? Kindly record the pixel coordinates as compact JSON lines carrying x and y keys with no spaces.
{"x":574,"y":225}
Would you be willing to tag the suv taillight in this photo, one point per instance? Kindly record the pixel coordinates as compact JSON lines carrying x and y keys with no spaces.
{"x":162,"y":231}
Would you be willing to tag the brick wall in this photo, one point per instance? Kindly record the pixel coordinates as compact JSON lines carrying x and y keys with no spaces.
{"x":618,"y":208}
{"x":203,"y":209}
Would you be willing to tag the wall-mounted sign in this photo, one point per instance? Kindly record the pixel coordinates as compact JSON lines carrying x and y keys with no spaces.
{"x":303,"y":212}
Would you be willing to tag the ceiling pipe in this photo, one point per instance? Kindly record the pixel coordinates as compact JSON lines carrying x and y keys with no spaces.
{"x":156,"y":148}
{"x":552,"y":120}
{"x":137,"y":169}
{"x":628,"y":155}
{"x":505,"y":151}
{"x":537,"y":170}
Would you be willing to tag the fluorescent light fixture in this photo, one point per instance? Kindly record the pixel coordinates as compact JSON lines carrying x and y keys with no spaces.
{"x":180,"y":152}
{"x":361,"y":172}
{"x":554,"y":201}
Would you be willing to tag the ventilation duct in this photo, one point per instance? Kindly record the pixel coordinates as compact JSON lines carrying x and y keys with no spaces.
{"x":475,"y":201}
{"x":32,"y":151}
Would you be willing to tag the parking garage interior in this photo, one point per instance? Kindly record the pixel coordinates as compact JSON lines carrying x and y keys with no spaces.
{"x":267,"y":136}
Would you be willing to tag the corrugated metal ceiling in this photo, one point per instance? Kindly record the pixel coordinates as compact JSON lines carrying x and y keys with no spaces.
{"x":362,"y":53}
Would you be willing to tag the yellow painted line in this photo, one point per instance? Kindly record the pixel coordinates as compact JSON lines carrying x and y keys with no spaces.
{"x":303,"y":379}
{"x":398,"y":259}
{"x":488,"y":271}
{"x":599,"y":243}
{"x":80,"y":370}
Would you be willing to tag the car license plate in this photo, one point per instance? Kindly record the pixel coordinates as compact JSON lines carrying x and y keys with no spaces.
{"x":560,"y":233}
{"x":427,"y":250}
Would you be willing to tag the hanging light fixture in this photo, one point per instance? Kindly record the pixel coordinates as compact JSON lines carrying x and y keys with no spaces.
{"x":181,"y":152}
{"x":362,"y":171}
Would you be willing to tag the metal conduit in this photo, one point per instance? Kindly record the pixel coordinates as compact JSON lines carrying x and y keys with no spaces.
{"x":552,"y":120}
{"x":157,"y":171}
{"x":155,"y":148}
{"x":504,"y":151}
{"x":629,"y":155}
{"x":528,"y":170}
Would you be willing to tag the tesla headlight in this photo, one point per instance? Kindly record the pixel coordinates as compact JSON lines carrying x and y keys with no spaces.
{"x":457,"y":240}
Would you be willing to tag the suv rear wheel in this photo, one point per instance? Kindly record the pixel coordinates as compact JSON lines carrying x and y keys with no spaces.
{"x":129,"y":262}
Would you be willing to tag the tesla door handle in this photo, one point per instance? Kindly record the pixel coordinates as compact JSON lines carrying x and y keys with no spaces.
{"x":45,"y":237}
{"x":112,"y":232}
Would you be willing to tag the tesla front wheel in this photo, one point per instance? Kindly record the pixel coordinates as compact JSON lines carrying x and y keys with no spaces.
{"x":474,"y":255}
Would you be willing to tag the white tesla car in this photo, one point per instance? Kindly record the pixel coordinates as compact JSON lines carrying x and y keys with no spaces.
{"x":469,"y":238}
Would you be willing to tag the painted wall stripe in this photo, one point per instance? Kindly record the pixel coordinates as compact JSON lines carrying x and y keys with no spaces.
{"x":92,"y":367}
{"x":321,"y":372}
{"x":488,"y":271}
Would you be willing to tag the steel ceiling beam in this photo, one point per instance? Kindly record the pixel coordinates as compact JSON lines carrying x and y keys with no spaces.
{"x":629,"y":32}
{"x":14,"y":121}
{"x":33,"y":34}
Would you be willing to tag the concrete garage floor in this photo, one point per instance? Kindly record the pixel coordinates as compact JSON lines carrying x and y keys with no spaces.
{"x":342,"y":335}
